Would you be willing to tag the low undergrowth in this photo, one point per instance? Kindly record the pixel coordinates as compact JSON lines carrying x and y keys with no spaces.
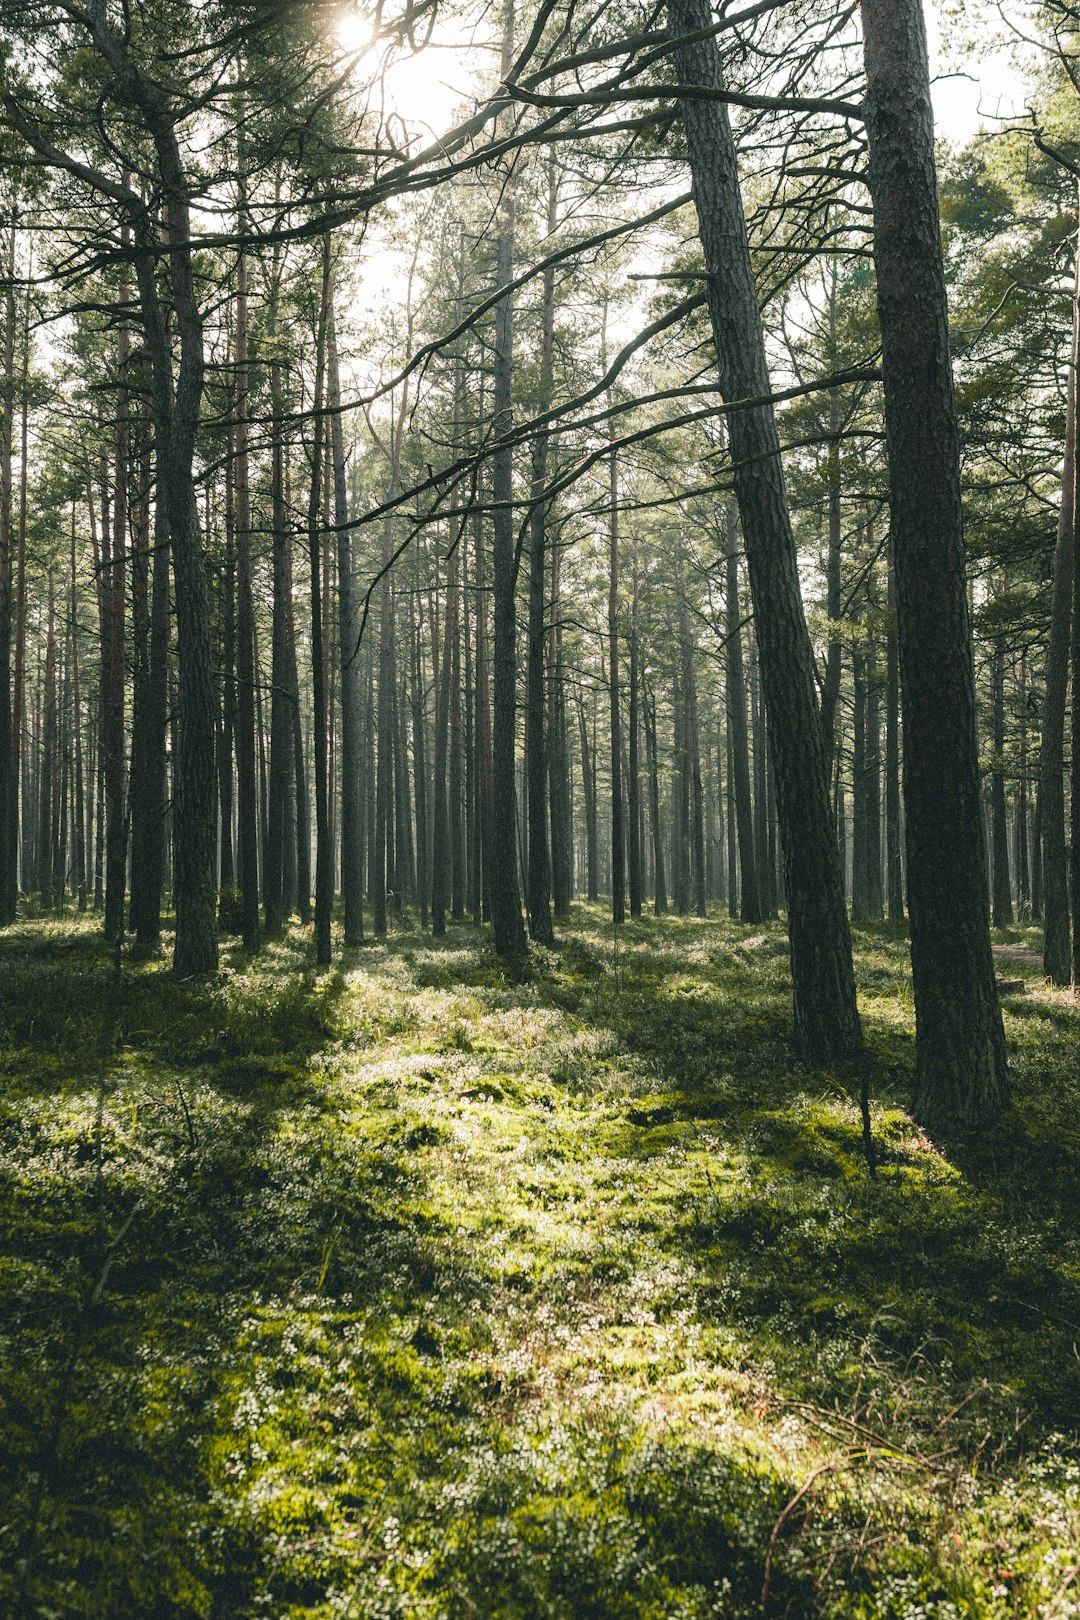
{"x":421,"y":1288}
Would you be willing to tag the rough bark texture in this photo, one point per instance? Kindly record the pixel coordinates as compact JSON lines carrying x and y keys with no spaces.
{"x":826,"y":1022}
{"x":960,"y":1049}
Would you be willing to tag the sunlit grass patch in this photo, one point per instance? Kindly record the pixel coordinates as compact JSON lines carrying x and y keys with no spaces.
{"x":424,"y":1288}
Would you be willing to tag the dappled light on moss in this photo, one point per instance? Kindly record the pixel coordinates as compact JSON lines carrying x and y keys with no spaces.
{"x":422,"y":1288}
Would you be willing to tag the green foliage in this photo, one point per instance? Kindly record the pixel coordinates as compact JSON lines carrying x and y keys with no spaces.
{"x":423,"y":1289}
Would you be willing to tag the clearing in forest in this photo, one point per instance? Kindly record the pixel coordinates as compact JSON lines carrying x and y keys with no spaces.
{"x":426,"y":1288}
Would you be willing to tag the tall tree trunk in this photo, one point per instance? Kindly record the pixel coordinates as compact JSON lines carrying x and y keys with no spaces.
{"x":226,"y":734}
{"x":324,"y":894}
{"x":352,"y":889}
{"x":1054,"y":871}
{"x":277,"y":893}
{"x":618,"y":848}
{"x":961,"y":1076}
{"x":247,"y":787}
{"x":79,"y":822}
{"x":441,"y":855}
{"x":484,"y":768}
{"x":505,"y":903}
{"x":562,"y":882}
{"x":48,"y":759}
{"x":826,"y":1021}
{"x":539,"y":885}
{"x":116,"y":829}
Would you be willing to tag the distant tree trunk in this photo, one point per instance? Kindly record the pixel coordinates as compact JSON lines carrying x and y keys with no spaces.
{"x":324,"y":880}
{"x":441,"y":853}
{"x":633,"y":777}
{"x":830,"y":689}
{"x":859,"y":811}
{"x":648,"y":705}
{"x":618,"y":854}
{"x":961,"y":1077}
{"x":558,"y":752}
{"x":226,"y":731}
{"x":761,"y":786}
{"x":79,"y":827}
{"x":1054,"y":869}
{"x":1022,"y":855}
{"x":352,"y":889}
{"x":116,"y":828}
{"x":1003,"y":909}
{"x":282,"y":695}
{"x":538,"y":891}
{"x":484,"y":769}
{"x":247,"y":785}
{"x":505,"y":903}
{"x":893,"y":867}
{"x":588,"y":789}
{"x":826,"y":1022}
{"x":750,"y":908}
{"x":680,"y":888}
{"x":48,"y":758}
{"x":692,"y":753}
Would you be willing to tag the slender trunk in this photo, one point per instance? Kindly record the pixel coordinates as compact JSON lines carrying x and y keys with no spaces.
{"x":79,"y":824}
{"x":539,"y":885}
{"x":618,"y":853}
{"x":1054,"y":865}
{"x":282,"y":694}
{"x":352,"y":890}
{"x":247,"y":787}
{"x":750,"y":910}
{"x":324,"y":896}
{"x":116,"y":829}
{"x":633,"y":777}
{"x":505,"y":903}
{"x":1002,"y":904}
{"x":648,"y":705}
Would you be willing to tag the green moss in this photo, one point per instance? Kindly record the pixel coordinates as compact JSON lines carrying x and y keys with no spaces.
{"x":430,"y":1288}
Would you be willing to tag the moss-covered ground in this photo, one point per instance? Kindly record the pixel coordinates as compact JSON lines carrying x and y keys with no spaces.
{"x":423,"y":1288}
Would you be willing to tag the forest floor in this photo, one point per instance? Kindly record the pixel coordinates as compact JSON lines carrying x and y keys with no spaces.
{"x":420,"y":1287}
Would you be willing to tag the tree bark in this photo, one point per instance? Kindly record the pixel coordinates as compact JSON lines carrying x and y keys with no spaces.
{"x":826,"y":1021}
{"x":961,"y":1077}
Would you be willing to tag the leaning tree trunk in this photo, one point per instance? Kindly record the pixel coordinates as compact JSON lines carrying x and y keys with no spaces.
{"x":826,"y":1021}
{"x":961,"y":1075}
